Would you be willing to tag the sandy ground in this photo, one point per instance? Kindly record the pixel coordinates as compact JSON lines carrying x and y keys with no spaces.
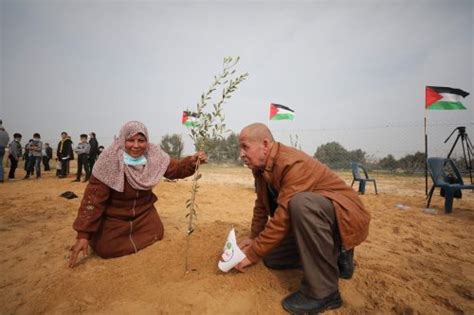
{"x":413,"y":262}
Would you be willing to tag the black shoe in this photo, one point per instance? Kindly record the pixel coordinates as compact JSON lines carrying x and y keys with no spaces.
{"x":298,"y":303}
{"x":76,"y":180}
{"x":345,"y":262}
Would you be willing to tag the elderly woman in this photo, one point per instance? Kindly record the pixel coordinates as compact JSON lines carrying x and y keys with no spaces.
{"x":117,"y":216}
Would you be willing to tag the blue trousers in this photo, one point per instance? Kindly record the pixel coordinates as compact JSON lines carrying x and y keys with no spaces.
{"x":34,"y":161}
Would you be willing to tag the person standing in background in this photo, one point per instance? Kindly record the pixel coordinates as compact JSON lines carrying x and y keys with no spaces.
{"x":25,"y":156}
{"x":4,"y":139}
{"x":68,"y":162}
{"x":14,"y":154}
{"x":47,"y":155}
{"x":82,"y":151}
{"x":94,"y":152}
{"x":34,"y":156}
{"x":64,"y":153}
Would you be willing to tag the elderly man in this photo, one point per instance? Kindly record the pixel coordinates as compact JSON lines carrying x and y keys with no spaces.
{"x":304,"y":216}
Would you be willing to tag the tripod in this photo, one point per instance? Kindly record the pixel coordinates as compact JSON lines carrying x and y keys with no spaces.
{"x":467,"y":147}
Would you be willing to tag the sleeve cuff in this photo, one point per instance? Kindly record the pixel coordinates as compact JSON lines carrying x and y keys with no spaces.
{"x":253,"y":256}
{"x":83,"y":235}
{"x":191,"y":162}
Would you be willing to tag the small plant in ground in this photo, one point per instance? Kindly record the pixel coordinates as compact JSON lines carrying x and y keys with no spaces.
{"x":209,"y":125}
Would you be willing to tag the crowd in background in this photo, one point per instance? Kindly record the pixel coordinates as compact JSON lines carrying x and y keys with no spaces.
{"x":34,"y":153}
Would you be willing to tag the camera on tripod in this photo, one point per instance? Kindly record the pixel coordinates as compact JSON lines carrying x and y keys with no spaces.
{"x":467,"y":147}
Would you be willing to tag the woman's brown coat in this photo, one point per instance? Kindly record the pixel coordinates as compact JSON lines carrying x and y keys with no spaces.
{"x":122,"y":223}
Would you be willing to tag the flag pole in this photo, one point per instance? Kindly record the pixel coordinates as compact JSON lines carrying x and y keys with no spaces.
{"x":426,"y":159}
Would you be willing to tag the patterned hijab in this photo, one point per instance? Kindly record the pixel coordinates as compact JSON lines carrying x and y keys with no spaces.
{"x":110,"y":168}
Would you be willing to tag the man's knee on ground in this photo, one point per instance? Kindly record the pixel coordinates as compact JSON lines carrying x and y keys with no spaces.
{"x":269,"y":262}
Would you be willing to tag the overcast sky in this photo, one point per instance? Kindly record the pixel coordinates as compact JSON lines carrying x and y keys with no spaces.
{"x":353,"y":71}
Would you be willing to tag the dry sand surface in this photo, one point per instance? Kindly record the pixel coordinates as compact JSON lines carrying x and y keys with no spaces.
{"x":413,"y":262}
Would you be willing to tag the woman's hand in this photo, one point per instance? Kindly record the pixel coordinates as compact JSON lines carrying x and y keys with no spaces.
{"x":81,"y":245}
{"x":201,"y":156}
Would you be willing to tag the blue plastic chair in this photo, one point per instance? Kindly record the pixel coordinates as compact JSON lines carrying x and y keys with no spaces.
{"x":439,"y":168}
{"x":356,"y":167}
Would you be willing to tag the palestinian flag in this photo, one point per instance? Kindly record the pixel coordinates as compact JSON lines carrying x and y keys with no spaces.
{"x":280,"y":112}
{"x":189,"y":118}
{"x":439,"y":97}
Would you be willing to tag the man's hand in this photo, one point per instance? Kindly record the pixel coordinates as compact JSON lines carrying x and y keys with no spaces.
{"x":246,"y":243}
{"x":81,"y":245}
{"x":242,"y":266}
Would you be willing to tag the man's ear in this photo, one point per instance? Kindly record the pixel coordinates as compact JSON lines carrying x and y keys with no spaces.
{"x":266,"y":144}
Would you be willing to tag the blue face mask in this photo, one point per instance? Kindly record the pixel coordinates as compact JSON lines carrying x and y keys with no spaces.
{"x":128,"y":160}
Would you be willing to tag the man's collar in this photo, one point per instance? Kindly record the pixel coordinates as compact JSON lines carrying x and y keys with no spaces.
{"x":271,"y":156}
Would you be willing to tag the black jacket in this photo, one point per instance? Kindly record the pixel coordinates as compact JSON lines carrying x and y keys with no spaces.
{"x":94,"y":152}
{"x":65,"y":149}
{"x":49,"y":152}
